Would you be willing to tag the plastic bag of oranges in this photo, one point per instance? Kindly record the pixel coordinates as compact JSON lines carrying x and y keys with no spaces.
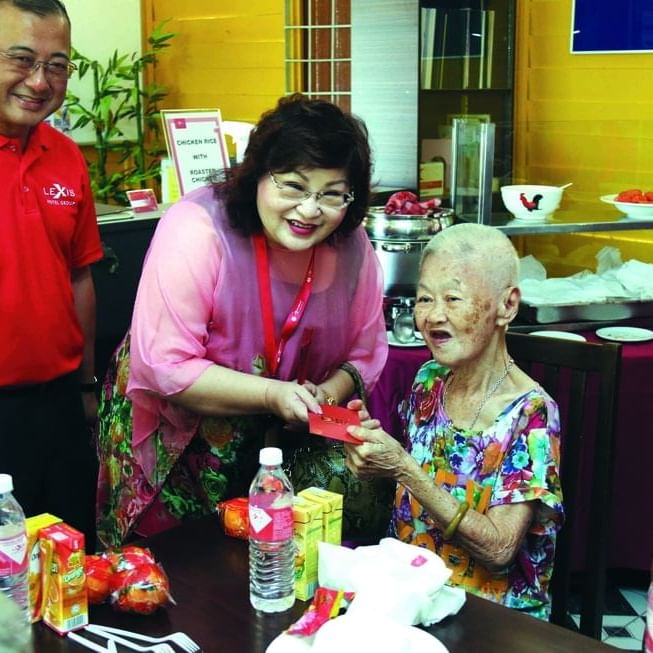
{"x":234,"y":517}
{"x":143,"y":590}
{"x":130,"y":578}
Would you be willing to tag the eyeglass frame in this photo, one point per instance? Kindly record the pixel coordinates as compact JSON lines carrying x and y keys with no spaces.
{"x":38,"y":63}
{"x":348,"y":197}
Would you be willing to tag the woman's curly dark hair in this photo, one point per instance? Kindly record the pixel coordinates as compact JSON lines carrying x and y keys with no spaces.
{"x":299,"y":133}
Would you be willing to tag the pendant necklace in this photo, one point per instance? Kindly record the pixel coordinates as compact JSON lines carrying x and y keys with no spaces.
{"x":488,"y":394}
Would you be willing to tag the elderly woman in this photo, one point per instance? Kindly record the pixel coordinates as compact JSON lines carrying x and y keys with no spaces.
{"x":260,"y":299}
{"x":479,"y":481}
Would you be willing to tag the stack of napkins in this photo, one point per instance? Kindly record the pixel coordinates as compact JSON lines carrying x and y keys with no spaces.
{"x":613,"y":281}
{"x":396,"y":586}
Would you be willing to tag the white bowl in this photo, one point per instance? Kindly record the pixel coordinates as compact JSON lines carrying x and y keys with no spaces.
{"x":634,"y":210}
{"x":531,"y":202}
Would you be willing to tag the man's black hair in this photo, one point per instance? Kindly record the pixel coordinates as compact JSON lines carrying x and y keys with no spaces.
{"x":39,"y":7}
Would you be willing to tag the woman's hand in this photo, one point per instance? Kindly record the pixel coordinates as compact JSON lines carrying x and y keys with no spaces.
{"x":291,"y":402}
{"x":321,"y":396}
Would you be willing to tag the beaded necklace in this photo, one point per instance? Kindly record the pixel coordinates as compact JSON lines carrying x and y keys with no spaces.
{"x":488,"y":394}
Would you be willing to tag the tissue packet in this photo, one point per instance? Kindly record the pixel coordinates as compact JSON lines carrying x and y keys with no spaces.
{"x":325,"y":605}
{"x":401,"y":581}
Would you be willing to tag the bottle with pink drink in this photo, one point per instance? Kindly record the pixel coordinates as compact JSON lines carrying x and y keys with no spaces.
{"x":271,"y":546}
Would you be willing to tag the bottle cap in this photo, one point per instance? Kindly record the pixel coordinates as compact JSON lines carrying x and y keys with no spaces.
{"x":270,"y":456}
{"x":6,"y":483}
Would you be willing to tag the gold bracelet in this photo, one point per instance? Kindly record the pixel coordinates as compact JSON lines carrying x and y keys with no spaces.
{"x":450,"y":530}
{"x":329,"y":400}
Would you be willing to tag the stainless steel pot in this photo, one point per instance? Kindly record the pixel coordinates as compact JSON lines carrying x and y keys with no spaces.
{"x":398,"y":241}
{"x":380,"y":225}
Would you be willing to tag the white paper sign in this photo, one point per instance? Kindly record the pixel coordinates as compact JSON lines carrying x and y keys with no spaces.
{"x":196,"y":145}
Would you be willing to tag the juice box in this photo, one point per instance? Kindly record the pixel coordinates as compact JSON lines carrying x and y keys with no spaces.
{"x":62,"y":561}
{"x":307,"y":518}
{"x":33,"y":525}
{"x":331,"y":512}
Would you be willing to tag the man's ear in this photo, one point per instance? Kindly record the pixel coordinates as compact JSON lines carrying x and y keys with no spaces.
{"x":508,"y":306}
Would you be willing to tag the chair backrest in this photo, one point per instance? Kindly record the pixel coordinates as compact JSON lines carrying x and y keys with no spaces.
{"x":583,"y":378}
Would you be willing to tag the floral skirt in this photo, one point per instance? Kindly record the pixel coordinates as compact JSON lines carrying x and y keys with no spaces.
{"x":218,"y":463}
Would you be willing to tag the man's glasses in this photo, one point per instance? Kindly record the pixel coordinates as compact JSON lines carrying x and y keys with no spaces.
{"x":327,"y":199}
{"x":26,"y":64}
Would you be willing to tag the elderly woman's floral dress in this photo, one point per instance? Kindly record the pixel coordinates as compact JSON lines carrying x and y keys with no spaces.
{"x":516,"y":459}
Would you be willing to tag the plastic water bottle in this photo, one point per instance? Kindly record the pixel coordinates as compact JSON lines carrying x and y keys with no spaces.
{"x":13,"y":559}
{"x":271,"y":546}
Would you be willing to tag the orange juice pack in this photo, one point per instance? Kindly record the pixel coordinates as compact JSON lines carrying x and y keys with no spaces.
{"x":307,"y":532}
{"x":331,"y":503}
{"x":62,"y":560}
{"x":33,"y":525}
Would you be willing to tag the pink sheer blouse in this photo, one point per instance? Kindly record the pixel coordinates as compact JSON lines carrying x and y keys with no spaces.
{"x":198,"y":304}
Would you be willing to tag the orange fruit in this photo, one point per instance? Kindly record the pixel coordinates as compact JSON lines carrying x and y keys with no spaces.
{"x":98,"y":578}
{"x":144,"y":590}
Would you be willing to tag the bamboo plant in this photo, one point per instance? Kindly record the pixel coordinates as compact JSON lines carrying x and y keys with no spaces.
{"x":122,"y":99}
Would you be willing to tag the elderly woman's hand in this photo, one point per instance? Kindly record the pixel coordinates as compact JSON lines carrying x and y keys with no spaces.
{"x":291,"y":402}
{"x":366,"y":420}
{"x":378,"y":455}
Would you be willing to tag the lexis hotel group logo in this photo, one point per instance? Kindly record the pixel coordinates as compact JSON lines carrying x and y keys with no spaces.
{"x":60,"y":195}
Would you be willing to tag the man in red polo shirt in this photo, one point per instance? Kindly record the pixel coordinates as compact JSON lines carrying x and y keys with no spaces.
{"x":48,"y":239}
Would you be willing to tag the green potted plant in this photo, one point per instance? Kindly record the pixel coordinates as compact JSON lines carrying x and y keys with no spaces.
{"x":121,"y":98}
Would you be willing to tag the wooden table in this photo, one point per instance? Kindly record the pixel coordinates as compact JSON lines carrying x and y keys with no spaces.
{"x":208,"y":575}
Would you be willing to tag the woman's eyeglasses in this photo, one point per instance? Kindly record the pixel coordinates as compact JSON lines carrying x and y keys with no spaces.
{"x":26,"y":64}
{"x":327,"y":199}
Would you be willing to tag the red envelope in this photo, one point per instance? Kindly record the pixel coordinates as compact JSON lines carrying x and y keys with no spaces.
{"x":333,"y":423}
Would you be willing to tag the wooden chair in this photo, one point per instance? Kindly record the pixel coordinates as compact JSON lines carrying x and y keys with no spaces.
{"x":583,"y":378}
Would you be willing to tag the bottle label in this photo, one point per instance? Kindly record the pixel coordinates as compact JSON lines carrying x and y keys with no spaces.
{"x":13,"y":554}
{"x":270,"y":524}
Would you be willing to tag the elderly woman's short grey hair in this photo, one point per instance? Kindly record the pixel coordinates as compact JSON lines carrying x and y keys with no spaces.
{"x":489,"y":249}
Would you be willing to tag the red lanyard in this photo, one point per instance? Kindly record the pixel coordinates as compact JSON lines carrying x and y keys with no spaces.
{"x":273,"y":349}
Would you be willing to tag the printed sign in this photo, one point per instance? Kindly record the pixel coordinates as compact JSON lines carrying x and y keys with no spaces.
{"x":196,"y":145}
{"x":143,"y":200}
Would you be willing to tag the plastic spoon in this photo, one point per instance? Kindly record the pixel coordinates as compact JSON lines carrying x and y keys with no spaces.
{"x":566,"y":185}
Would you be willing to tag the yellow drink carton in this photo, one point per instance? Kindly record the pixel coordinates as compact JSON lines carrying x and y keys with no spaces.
{"x":33,"y":526}
{"x":307,"y":517}
{"x":62,"y":561}
{"x":331,"y":503}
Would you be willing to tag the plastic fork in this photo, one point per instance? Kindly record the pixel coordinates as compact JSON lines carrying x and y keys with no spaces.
{"x":180,"y":639}
{"x":94,"y":646}
{"x":154,"y":648}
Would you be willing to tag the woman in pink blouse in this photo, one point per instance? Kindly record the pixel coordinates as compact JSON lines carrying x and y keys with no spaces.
{"x":260,"y":299}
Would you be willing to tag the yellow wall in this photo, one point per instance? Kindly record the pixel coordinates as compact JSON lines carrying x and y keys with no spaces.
{"x":585,"y":118}
{"x":227,"y":54}
{"x":581,"y":118}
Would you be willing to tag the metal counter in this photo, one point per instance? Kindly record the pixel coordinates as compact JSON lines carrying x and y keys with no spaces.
{"x":570,"y":221}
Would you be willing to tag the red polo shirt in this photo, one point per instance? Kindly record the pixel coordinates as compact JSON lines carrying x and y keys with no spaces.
{"x":47,"y":228}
